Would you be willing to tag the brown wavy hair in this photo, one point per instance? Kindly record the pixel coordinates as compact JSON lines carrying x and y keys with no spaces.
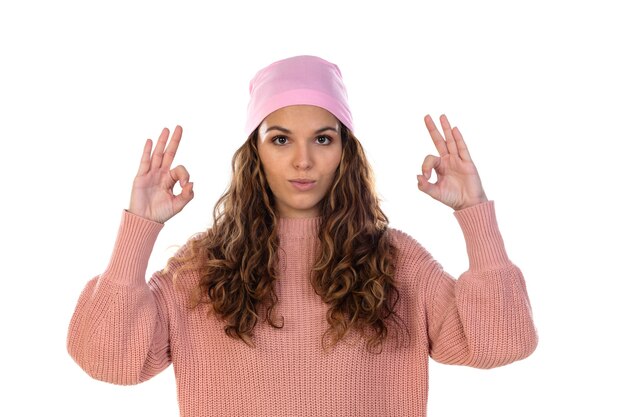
{"x":237,"y":257}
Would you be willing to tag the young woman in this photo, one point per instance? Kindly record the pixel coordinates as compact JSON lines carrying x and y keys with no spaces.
{"x":300,"y":300}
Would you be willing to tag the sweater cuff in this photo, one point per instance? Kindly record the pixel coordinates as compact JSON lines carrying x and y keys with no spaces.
{"x":485,"y":246}
{"x":135,"y":240}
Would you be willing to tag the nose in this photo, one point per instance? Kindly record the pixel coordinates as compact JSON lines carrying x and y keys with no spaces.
{"x":302,"y":157}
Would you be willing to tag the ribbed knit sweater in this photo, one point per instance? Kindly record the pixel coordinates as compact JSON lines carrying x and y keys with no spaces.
{"x":126,"y":330}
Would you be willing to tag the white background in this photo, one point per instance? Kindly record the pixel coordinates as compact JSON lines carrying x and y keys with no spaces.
{"x":536,"y":87}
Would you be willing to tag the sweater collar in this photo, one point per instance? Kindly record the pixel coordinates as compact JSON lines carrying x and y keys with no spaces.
{"x":299,"y":227}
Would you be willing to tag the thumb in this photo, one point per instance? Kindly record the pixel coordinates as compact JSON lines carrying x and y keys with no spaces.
{"x":185,"y":196}
{"x":426,"y":187}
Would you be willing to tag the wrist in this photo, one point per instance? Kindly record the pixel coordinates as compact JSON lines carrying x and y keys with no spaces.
{"x":481,"y":200}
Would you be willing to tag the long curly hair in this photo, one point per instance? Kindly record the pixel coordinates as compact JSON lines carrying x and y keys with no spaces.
{"x":237,"y":257}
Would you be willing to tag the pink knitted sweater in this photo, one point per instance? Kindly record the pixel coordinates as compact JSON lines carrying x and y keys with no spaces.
{"x":125,"y":330}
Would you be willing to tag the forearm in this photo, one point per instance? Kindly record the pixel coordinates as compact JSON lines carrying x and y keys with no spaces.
{"x":113,"y":331}
{"x":117,"y":324}
{"x":484,"y":319}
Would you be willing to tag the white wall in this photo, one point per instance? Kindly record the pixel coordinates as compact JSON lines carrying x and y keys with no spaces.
{"x":536,"y":87}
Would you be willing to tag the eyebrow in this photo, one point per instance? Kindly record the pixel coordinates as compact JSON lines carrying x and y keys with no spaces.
{"x":282,"y":129}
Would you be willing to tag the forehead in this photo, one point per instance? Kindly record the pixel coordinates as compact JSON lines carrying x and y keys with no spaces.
{"x":301,"y":115}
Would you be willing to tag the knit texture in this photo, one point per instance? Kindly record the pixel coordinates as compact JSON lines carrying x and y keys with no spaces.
{"x":125,"y":330}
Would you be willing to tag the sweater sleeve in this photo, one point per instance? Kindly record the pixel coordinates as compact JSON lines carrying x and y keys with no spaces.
{"x":119,"y":330}
{"x":484,"y":318}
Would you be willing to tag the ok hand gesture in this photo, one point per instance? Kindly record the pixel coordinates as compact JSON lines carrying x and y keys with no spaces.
{"x":152,"y":196}
{"x":458,"y":184}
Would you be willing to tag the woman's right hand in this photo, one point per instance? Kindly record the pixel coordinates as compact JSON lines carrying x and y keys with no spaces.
{"x":152,"y":196}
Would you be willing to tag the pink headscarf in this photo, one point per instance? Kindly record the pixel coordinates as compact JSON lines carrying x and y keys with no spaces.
{"x":301,"y":79}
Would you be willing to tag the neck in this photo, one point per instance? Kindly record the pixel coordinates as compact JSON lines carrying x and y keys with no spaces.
{"x":299,"y":227}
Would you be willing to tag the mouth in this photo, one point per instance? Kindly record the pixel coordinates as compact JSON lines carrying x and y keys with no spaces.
{"x":303,"y":184}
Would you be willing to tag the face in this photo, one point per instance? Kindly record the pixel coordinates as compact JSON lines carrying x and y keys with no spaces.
{"x":300,"y":150}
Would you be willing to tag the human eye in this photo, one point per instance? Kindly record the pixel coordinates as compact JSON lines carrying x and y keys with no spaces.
{"x":324,"y":140}
{"x":279,"y":140}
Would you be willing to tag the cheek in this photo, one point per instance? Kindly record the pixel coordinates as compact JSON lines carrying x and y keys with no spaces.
{"x":274,"y":177}
{"x":333,"y":163}
{"x":268,"y":165}
{"x":272,"y":168}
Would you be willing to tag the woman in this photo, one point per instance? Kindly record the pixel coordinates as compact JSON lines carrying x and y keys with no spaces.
{"x":300,"y":300}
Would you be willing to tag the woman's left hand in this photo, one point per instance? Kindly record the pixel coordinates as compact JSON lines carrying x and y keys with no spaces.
{"x":458,"y":183}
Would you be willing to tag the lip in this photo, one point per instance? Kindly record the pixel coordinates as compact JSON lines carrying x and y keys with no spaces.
{"x":303,"y":184}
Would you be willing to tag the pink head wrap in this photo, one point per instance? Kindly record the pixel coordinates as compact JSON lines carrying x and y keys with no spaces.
{"x":297,"y":80}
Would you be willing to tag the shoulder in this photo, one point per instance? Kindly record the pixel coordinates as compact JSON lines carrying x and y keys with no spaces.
{"x":411,"y":257}
{"x":403,"y":242}
{"x":178,"y":271}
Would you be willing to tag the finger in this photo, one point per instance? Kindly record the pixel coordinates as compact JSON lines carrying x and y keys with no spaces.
{"x":144,"y":165}
{"x":447,"y":131}
{"x":185,"y":196}
{"x":170,"y":151}
{"x":181,"y":174}
{"x":430,"y":162}
{"x":436,"y":136}
{"x":460,"y":144}
{"x":157,"y":155}
{"x":430,"y":189}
